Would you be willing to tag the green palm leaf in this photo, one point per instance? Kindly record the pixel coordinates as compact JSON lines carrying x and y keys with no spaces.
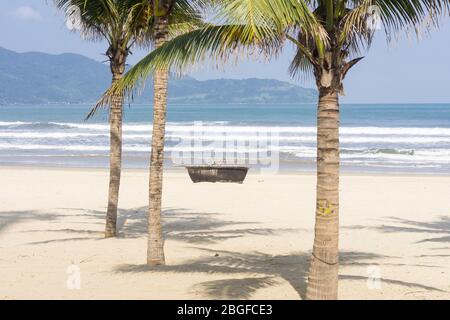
{"x":241,"y":27}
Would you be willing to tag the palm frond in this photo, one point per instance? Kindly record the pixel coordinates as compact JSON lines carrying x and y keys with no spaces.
{"x":217,"y":43}
{"x":394,"y":16}
{"x":125,"y":23}
{"x":245,"y":27}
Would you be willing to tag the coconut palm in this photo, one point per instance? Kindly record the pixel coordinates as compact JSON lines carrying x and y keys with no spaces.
{"x":155,"y":246}
{"x":166,"y":19}
{"x":123,"y":24}
{"x":163,"y":12}
{"x":329,"y":36}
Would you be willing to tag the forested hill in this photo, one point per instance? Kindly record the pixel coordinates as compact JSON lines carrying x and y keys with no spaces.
{"x":39,"y":78}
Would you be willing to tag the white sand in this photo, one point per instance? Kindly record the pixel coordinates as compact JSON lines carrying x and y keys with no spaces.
{"x":397,"y":226}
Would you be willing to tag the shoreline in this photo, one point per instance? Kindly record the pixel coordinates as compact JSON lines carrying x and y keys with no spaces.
{"x":400,"y":146}
{"x":282,"y":172}
{"x":226,"y":104}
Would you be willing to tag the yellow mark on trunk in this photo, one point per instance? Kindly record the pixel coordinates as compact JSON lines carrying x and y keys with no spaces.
{"x":324,"y":208}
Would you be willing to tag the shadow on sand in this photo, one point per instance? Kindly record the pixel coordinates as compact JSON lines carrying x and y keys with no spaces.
{"x":192,"y":227}
{"x":440,"y":227}
{"x":8,"y":219}
{"x":248,"y":272}
{"x":262,"y":270}
{"x":179,"y":224}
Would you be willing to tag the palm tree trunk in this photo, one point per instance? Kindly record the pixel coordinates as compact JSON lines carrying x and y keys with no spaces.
{"x":155,"y":249}
{"x":115,"y":155}
{"x":323,"y":272}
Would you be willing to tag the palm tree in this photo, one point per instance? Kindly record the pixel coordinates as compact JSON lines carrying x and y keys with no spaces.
{"x":329,"y":36}
{"x":168,"y":18}
{"x":163,"y":12}
{"x":122,"y":23}
{"x":155,"y":247}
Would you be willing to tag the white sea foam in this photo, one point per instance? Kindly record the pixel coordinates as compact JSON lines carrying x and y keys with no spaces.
{"x":48,"y":135}
{"x":129,"y":148}
{"x":225,"y":126}
{"x":218,"y":126}
{"x":13,"y":123}
{"x":231,"y":134}
{"x":373,"y":146}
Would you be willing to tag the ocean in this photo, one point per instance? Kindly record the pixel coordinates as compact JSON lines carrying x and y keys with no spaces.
{"x":374,"y":137}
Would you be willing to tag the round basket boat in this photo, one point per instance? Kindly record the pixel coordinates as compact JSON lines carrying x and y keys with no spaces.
{"x":223,"y":174}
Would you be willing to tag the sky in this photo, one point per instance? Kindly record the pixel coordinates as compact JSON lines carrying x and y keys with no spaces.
{"x":407,"y":71}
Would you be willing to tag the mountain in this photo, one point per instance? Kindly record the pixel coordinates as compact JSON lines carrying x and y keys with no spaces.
{"x":39,"y":78}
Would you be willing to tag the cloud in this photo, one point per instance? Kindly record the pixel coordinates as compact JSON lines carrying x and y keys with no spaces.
{"x":27,"y":14}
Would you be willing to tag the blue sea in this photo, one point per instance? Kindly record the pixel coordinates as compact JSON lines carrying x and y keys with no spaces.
{"x":374,"y":137}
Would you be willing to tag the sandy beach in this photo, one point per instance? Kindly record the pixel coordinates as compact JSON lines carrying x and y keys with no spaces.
{"x":223,"y":241}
